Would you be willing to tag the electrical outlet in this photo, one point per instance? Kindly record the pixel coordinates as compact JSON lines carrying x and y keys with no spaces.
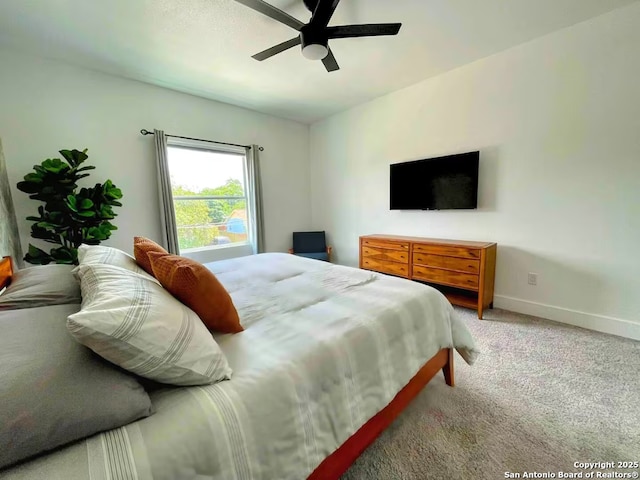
{"x":533,"y":278}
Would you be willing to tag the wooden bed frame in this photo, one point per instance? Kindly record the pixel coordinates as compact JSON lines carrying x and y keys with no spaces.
{"x":6,"y":271}
{"x":339,"y":461}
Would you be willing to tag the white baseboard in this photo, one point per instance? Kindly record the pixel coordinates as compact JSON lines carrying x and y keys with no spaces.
{"x":600,"y":323}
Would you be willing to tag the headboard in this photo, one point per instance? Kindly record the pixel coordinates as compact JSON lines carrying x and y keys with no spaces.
{"x":6,"y":271}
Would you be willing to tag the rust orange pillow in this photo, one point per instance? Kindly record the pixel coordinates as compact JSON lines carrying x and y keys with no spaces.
{"x":197,"y":287}
{"x":141,"y":248}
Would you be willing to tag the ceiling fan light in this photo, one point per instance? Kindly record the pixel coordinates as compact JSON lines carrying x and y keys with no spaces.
{"x":315,"y":51}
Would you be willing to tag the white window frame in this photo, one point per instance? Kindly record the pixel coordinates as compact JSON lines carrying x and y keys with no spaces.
{"x":219,"y":252}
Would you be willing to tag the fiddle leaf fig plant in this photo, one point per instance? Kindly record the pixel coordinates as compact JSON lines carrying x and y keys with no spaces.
{"x":68,"y":216}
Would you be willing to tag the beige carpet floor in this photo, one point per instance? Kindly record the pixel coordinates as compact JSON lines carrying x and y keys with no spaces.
{"x":542,"y":396}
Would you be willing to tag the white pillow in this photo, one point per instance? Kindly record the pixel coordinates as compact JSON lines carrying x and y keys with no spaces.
{"x":102,"y":255}
{"x":136,"y":324}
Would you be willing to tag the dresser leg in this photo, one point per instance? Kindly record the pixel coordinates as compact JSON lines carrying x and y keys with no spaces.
{"x":480,"y":311}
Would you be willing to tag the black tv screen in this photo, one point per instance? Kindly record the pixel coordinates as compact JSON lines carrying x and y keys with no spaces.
{"x":441,"y":183}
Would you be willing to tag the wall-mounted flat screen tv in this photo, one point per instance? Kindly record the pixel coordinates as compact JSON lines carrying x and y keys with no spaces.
{"x":441,"y":183}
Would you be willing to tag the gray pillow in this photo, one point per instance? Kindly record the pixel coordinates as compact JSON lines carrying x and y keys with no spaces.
{"x":40,"y":286}
{"x":54,"y":390}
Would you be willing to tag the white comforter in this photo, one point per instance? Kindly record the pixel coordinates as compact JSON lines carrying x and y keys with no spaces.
{"x":324,"y":349}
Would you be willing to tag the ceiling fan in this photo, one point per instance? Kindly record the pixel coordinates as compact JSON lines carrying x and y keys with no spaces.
{"x":314,"y":36}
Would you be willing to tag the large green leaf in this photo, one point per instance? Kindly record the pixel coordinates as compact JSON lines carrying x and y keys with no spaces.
{"x":44,"y":234}
{"x":33,"y":177}
{"x":47,"y":225}
{"x":106,"y":212}
{"x":74,"y":157}
{"x":110,"y":191}
{"x":37,"y":256}
{"x":101,"y":232}
{"x":87,"y":213}
{"x":29,"y":187}
{"x":65,"y":255}
{"x":55,"y":166}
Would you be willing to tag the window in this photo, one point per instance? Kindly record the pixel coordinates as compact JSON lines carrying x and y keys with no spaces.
{"x":210,"y":195}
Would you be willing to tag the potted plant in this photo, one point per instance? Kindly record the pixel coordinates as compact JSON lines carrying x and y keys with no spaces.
{"x":68,"y":217}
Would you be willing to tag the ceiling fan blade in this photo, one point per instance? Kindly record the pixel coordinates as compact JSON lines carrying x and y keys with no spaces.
{"x":323,"y":12}
{"x":273,"y":12}
{"x":330,"y":62}
{"x":281,"y":47}
{"x":368,"y":30}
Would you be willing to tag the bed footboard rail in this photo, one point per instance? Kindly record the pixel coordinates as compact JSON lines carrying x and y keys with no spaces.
{"x":339,"y":461}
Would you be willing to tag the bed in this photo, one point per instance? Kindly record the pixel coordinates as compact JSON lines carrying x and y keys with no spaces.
{"x":329,"y":356}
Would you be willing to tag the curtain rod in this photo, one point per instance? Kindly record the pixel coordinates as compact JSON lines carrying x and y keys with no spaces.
{"x":147,"y":132}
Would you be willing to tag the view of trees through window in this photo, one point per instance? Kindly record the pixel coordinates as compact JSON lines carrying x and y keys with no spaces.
{"x":208,"y":215}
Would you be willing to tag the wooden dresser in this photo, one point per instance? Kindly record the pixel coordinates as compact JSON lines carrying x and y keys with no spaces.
{"x":463,"y":271}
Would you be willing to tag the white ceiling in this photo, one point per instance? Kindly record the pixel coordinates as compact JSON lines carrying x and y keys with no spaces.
{"x":204,"y":47}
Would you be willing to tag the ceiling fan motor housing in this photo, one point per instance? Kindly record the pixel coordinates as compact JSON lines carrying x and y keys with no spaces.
{"x":314,"y":42}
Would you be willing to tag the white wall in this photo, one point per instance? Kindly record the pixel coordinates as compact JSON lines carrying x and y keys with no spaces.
{"x":557,"y":121}
{"x":47,"y":106}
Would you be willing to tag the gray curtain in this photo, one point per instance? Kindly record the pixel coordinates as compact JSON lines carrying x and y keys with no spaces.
{"x":167,"y":214}
{"x":253,"y":170}
{"x":9,"y":236}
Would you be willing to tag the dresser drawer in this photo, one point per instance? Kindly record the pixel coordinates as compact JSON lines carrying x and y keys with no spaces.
{"x":466,"y":265}
{"x":391,"y":245}
{"x":400,"y":256}
{"x":392,"y":268}
{"x":448,"y":251}
{"x":446,"y":277}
